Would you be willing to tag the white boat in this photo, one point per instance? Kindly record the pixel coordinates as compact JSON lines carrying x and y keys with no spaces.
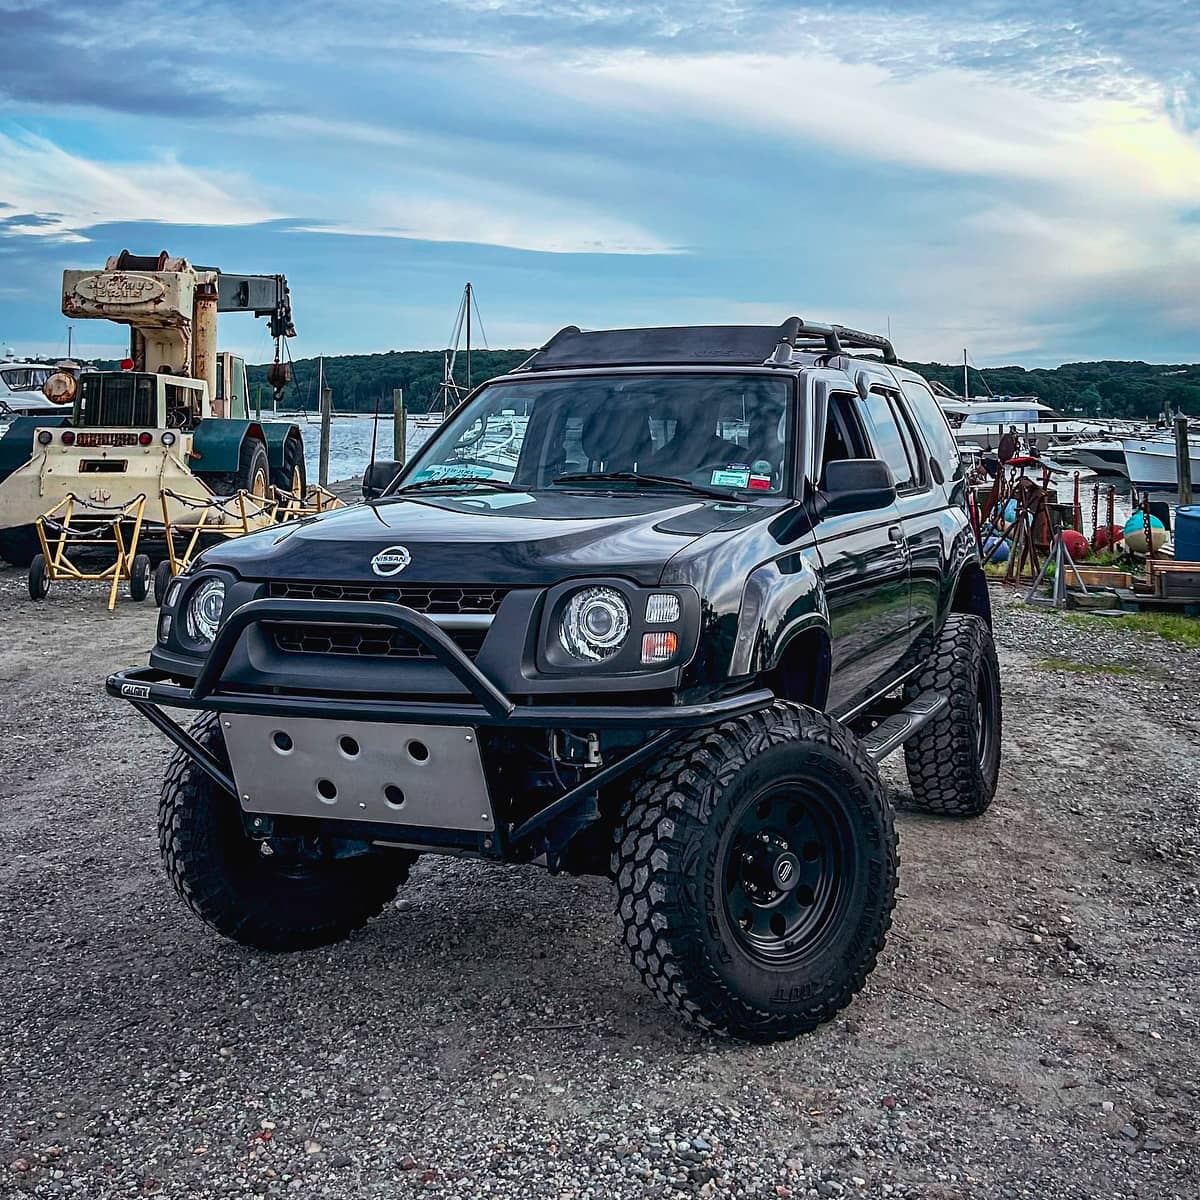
{"x":985,"y":421}
{"x":21,"y":388}
{"x":1105,"y":456}
{"x":1151,"y":461}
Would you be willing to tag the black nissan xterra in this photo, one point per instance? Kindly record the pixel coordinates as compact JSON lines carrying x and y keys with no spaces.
{"x":652,"y":606}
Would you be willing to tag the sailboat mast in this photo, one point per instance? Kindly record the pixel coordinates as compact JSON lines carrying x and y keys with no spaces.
{"x":966,"y":384}
{"x":468,"y":299}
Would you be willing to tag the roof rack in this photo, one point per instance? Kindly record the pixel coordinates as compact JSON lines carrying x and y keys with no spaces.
{"x":687,"y":344}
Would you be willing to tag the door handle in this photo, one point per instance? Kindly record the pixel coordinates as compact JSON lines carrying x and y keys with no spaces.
{"x":896,"y":533}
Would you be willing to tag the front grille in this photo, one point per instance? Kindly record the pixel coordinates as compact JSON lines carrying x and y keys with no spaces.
{"x":423,"y":598}
{"x":126,"y":400}
{"x":106,"y":439}
{"x":363,"y":641}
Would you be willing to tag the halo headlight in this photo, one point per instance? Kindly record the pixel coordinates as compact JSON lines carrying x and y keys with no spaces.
{"x":204,"y":610}
{"x":594,"y":624}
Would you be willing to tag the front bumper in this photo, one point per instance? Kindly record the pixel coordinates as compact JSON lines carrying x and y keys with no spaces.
{"x":147,"y":689}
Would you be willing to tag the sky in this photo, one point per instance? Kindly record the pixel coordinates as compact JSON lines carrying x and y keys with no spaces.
{"x":1020,"y":178}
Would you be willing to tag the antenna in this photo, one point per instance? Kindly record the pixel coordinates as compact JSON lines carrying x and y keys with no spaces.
{"x":375,"y":428}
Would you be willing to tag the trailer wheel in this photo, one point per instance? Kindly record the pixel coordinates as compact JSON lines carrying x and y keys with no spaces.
{"x":139,"y":577}
{"x":282,"y":901}
{"x":39,"y":578}
{"x":954,"y":761}
{"x":756,"y":873}
{"x":162,"y":581}
{"x":291,"y":474}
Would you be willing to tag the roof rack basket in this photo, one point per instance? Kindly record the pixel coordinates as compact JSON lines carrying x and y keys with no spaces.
{"x":760,"y":345}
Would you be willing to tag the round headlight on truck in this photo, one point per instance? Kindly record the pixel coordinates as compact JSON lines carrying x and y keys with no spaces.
{"x":204,"y":607}
{"x":594,"y":624}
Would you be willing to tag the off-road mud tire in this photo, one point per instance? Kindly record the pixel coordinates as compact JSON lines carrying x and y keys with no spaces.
{"x":291,"y":469}
{"x":220,"y":874}
{"x":39,"y":578}
{"x":672,"y":862}
{"x":950,"y":769}
{"x":139,"y":577}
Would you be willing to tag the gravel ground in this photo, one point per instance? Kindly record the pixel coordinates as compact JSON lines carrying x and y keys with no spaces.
{"x":1031,"y":1029}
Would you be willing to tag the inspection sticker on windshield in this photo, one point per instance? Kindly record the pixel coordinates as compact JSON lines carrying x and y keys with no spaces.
{"x":728,"y":478}
{"x":760,"y":483}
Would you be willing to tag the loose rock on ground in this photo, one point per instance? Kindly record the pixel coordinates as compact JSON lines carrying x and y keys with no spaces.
{"x":1031,"y":1030}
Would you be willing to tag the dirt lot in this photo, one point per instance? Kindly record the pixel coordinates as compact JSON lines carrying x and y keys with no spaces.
{"x":1031,"y":1029}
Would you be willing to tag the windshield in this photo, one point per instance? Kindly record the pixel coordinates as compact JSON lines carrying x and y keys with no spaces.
{"x":730,"y":432}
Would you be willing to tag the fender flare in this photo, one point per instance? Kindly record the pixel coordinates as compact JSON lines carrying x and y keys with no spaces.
{"x":278,"y":434}
{"x":777,"y":607}
{"x":217,"y":444}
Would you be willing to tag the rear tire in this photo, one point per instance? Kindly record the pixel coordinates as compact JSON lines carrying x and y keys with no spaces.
{"x":253,"y":474}
{"x":39,"y":578}
{"x":162,"y":581}
{"x":756,"y":871}
{"x":19,"y":544}
{"x":954,"y":762}
{"x":139,"y":577}
{"x":269,"y":903}
{"x":291,"y":475}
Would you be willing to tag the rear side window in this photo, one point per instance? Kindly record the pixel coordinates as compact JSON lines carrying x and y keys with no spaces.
{"x":893,"y":446}
{"x":932,"y":421}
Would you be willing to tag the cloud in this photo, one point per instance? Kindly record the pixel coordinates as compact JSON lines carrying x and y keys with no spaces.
{"x":65,"y":194}
{"x":519,"y":222}
{"x":947,"y":122}
{"x":128,"y":59}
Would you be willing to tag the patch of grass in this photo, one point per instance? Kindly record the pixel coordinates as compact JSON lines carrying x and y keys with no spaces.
{"x":1172,"y":627}
{"x":1055,"y":663}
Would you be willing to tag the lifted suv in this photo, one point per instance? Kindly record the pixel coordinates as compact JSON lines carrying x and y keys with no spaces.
{"x":652,"y":606}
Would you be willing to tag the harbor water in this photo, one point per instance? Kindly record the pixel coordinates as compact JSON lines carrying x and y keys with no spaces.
{"x":350,"y":444}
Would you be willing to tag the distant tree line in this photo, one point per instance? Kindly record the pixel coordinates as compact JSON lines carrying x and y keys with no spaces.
{"x":359,"y":381}
{"x":1132,"y":390}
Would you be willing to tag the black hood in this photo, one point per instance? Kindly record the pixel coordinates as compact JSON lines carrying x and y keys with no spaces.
{"x":514,"y":539}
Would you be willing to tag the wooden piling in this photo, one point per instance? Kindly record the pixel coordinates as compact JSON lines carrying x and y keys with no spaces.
{"x":1183,"y":459}
{"x":326,"y":426}
{"x":399,"y":425}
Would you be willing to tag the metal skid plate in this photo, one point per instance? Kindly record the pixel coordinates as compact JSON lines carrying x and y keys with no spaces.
{"x":423,"y":775}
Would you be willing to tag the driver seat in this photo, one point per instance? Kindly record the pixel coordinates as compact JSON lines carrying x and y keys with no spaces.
{"x":612,"y":443}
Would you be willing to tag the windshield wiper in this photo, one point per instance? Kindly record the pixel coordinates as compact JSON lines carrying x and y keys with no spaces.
{"x":497,"y":485}
{"x":671,"y":481}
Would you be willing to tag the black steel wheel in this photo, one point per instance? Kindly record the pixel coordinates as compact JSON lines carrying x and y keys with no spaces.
{"x":756,"y":872}
{"x":300,"y":892}
{"x":162,"y":580}
{"x":787,"y":870}
{"x":39,"y":578}
{"x":954,"y":762}
{"x":139,"y":577}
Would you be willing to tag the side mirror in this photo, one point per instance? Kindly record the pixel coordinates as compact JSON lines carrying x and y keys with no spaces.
{"x":377,"y":478}
{"x":855,"y":485}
